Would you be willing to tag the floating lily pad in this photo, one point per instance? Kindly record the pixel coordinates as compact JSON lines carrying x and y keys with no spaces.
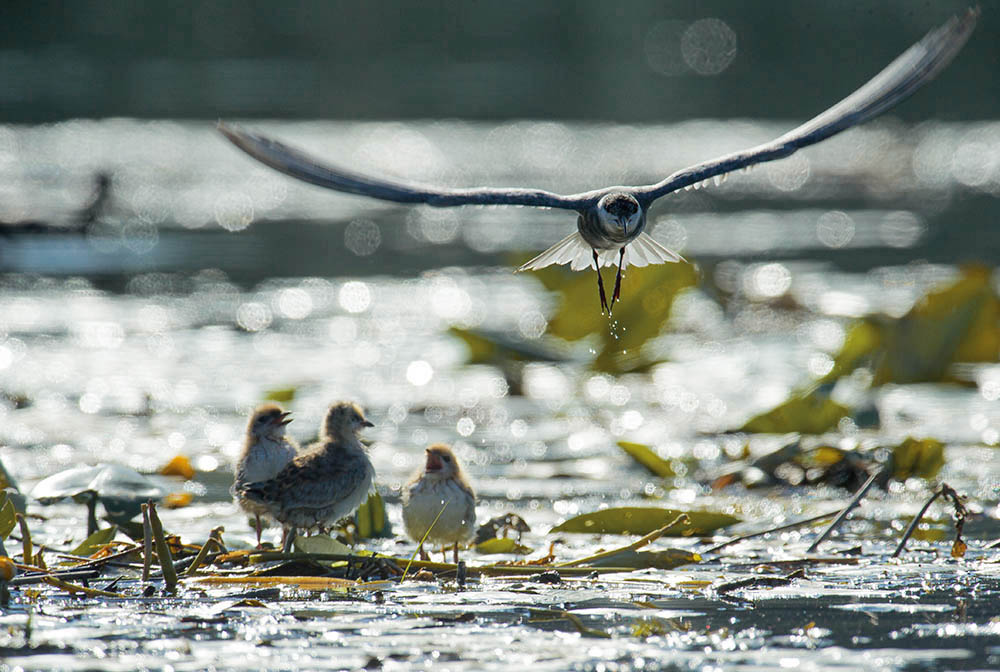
{"x":643,"y":520}
{"x":664,"y":559}
{"x":501,"y":545}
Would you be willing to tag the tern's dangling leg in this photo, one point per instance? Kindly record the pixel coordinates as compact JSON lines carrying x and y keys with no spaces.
{"x":259,"y":528}
{"x":600,"y":285}
{"x":618,"y":279}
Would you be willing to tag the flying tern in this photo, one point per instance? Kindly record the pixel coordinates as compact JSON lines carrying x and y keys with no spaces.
{"x":611,"y":221}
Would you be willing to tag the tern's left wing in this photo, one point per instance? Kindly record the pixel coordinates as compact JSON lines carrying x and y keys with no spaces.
{"x":299,"y":164}
{"x":912,"y":69}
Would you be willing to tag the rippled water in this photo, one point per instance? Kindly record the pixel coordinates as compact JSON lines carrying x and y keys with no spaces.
{"x":207,"y":282}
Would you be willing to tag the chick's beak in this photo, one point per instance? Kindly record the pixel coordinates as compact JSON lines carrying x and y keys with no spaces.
{"x":284,"y":418}
{"x":365,"y":423}
{"x":433,"y":462}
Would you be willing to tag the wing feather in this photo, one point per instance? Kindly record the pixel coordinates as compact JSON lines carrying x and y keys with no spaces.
{"x":300,"y":165}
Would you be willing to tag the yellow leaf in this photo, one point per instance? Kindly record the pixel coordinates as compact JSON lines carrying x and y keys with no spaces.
{"x":7,"y":568}
{"x":179,"y":466}
{"x":282,"y":395}
{"x":178,"y":500}
{"x":645,"y":456}
{"x":370,"y":519}
{"x":643,"y":520}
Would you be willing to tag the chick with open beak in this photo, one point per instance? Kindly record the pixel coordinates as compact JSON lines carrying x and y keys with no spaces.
{"x":439,"y":498}
{"x":266,"y":451}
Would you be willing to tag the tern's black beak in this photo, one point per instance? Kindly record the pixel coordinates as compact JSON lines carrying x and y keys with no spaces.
{"x":367,"y":424}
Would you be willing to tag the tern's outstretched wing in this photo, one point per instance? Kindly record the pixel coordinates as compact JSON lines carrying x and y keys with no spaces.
{"x":299,"y":164}
{"x":912,"y":69}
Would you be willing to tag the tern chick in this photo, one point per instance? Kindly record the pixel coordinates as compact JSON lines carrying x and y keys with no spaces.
{"x":439,"y":485}
{"x":611,"y":220}
{"x":266,"y":451}
{"x":326,"y":482}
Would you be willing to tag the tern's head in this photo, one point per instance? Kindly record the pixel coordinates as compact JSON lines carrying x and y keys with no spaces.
{"x":344,"y":419}
{"x":619,"y":214}
{"x":268,"y":421}
{"x":441,"y":462}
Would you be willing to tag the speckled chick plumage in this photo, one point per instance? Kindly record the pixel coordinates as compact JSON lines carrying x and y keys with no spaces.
{"x":439,"y":482}
{"x":327,"y":481}
{"x":266,"y":451}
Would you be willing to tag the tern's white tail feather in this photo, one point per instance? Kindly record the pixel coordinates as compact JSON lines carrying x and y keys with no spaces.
{"x":576,"y":252}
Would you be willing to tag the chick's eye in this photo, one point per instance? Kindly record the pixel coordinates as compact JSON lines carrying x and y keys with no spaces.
{"x":446,"y":458}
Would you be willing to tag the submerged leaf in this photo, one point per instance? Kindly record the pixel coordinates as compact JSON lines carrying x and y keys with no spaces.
{"x":920,"y":458}
{"x":645,"y":456}
{"x":95,"y":542}
{"x":643,"y":520}
{"x":805,"y":412}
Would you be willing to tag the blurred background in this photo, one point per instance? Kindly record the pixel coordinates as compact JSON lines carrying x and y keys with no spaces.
{"x":156,"y":282}
{"x":648,"y":62}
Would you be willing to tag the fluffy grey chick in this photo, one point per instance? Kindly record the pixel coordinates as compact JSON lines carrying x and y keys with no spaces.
{"x":326,"y":482}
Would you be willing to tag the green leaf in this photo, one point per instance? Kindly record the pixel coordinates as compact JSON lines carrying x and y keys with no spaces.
{"x":321,"y":543}
{"x":804,"y":412}
{"x":95,"y":542}
{"x":7,"y":519}
{"x":282,"y":395}
{"x":664,"y":559}
{"x":488,"y":347}
{"x":501,"y":545}
{"x":919,"y":458}
{"x":645,"y":456}
{"x":647,"y":295}
{"x":643,"y":520}
{"x":370,"y":519}
{"x":958,"y":323}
